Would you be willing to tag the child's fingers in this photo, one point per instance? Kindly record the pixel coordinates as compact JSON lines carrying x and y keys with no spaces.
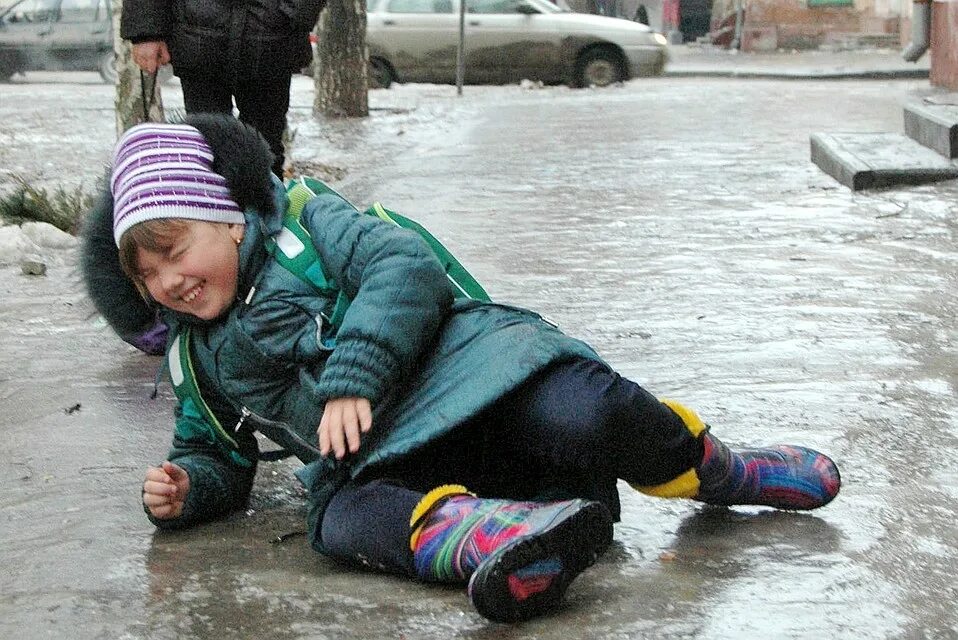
{"x":336,"y":437}
{"x":163,"y":511}
{"x":176,"y":472}
{"x":323,"y":433}
{"x":155,"y":499}
{"x":331,"y":430}
{"x":156,"y":474}
{"x":365,"y":415}
{"x":351,"y":428}
{"x":151,"y":487}
{"x":324,"y":445}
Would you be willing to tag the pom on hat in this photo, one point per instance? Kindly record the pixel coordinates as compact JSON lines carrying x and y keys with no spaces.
{"x":165,"y":171}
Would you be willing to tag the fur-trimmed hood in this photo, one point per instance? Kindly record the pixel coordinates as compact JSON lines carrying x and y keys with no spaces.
{"x":243,"y":158}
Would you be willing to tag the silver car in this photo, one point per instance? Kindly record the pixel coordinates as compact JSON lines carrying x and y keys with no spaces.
{"x":59,"y":35}
{"x":507,"y":41}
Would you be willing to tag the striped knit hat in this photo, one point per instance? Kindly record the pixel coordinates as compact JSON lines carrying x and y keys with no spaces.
{"x":165,"y":171}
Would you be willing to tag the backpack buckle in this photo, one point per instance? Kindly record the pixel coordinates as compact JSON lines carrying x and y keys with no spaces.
{"x":244,"y":414}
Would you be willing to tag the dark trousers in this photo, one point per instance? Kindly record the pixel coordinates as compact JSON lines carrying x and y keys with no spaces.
{"x":570,"y":431}
{"x":262,"y":101}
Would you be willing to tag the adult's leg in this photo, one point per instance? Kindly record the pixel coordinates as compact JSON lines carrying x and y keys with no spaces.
{"x":263,"y":101}
{"x":206,"y":94}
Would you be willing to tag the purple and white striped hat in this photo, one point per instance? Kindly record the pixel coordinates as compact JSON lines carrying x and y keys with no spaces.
{"x":165,"y":171}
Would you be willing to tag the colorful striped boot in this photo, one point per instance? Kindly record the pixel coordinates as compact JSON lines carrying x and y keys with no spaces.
{"x":519,"y":557}
{"x":783,"y":476}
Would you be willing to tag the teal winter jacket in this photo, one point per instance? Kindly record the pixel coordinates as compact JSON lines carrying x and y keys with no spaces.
{"x":427,"y":364}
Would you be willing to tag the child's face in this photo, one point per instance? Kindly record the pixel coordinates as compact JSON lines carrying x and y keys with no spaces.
{"x":198,"y":273}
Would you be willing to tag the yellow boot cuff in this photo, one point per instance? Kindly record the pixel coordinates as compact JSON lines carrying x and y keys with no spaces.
{"x":687,"y":484}
{"x":427,"y":503}
{"x":684,"y":486}
{"x":691,"y":419}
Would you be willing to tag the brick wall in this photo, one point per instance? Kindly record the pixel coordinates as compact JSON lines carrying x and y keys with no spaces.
{"x":800,"y":24}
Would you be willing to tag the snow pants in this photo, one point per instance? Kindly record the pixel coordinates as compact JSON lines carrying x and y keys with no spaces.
{"x":570,"y":431}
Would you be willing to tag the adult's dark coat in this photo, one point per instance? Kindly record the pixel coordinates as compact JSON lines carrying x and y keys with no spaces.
{"x":214,"y":37}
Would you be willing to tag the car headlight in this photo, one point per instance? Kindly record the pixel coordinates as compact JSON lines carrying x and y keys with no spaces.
{"x":660,"y":39}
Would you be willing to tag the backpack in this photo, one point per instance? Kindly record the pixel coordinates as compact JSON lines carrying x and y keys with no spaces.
{"x":293,"y":249}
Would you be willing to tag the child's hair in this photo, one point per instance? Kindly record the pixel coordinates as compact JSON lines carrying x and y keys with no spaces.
{"x":151,"y":235}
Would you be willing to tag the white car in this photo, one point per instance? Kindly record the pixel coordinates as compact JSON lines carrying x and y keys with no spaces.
{"x":507,"y":41}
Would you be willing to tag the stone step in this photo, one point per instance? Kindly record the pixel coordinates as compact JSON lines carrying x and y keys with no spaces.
{"x":867,"y":160}
{"x":934,"y":125}
{"x":850,"y":41}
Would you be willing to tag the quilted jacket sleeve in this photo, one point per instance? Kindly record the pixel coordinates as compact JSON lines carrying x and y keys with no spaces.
{"x":303,"y":14}
{"x":400,"y":297}
{"x":218,"y":485}
{"x":143,"y":20}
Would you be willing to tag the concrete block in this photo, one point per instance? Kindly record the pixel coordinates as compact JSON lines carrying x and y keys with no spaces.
{"x":934,"y":125}
{"x":868,"y":160}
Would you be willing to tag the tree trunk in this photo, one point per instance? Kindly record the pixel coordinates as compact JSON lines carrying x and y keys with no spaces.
{"x":342,"y":87}
{"x":138,"y":96}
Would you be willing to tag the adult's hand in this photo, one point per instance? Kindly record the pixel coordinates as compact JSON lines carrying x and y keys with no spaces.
{"x":151,"y":55}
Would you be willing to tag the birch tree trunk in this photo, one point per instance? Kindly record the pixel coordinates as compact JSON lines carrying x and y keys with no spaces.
{"x":342,"y":87}
{"x":137,"y":96}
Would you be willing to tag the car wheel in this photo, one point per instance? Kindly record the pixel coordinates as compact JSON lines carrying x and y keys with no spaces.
{"x":107,"y":67}
{"x":598,"y":68}
{"x":7,"y":69}
{"x":380,"y":74}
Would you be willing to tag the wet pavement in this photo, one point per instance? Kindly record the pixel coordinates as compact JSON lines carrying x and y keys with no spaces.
{"x":677,"y":225}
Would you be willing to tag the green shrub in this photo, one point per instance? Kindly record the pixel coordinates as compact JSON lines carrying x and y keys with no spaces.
{"x":62,"y":208}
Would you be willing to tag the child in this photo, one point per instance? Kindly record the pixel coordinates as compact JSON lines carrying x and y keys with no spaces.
{"x":411,"y":399}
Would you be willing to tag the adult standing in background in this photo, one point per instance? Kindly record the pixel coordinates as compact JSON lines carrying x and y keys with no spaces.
{"x":224,"y":50}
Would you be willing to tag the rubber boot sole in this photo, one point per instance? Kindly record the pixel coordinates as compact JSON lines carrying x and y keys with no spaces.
{"x":575,"y":540}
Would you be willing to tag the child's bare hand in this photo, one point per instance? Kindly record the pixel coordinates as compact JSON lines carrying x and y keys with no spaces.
{"x":343,"y":420}
{"x":165,"y":489}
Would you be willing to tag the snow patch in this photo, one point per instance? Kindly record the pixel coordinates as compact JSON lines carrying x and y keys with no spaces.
{"x":35,"y":241}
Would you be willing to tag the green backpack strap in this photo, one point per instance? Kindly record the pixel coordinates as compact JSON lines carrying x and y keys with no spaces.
{"x":187,"y":391}
{"x":464,"y":284}
{"x":293,"y":248}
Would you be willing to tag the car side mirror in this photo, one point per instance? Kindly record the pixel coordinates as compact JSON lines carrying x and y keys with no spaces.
{"x":526,"y":9}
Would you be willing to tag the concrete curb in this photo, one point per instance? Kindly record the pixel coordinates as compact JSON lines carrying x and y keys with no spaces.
{"x":874,"y":74}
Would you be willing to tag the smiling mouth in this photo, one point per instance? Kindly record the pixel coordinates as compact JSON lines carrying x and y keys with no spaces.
{"x":190,"y":295}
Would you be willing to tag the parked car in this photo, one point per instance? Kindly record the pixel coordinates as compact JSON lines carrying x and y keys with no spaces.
{"x":59,"y":35}
{"x":507,"y":41}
